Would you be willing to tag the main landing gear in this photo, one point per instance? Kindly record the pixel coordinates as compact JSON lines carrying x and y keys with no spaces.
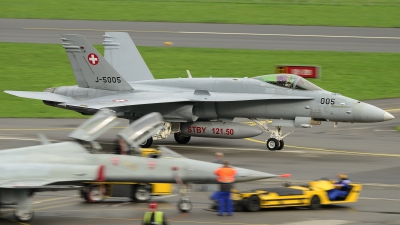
{"x":275,"y":142}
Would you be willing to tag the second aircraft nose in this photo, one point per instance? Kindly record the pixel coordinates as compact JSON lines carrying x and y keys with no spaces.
{"x":366,"y":113}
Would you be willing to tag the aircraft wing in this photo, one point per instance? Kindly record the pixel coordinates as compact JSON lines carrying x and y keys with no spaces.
{"x":47,"y":96}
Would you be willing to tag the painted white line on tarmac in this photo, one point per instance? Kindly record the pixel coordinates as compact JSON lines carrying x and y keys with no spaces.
{"x":215,"y":33}
{"x":233,"y":149}
{"x":385,"y":199}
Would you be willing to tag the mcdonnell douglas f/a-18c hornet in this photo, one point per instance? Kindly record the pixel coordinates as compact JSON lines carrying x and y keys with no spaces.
{"x":201,"y":107}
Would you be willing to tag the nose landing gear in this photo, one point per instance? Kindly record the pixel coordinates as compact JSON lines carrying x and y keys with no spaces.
{"x":275,"y":142}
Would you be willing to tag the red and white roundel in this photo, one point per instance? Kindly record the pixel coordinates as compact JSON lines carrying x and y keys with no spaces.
{"x":120,"y":100}
{"x":93,"y":59}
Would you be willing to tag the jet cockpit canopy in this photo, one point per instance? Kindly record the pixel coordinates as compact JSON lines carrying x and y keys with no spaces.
{"x":289,"y":81}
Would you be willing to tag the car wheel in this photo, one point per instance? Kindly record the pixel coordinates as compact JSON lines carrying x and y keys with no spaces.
{"x":315,"y":202}
{"x":147,"y":143}
{"x":253,"y":204}
{"x":181,"y":139}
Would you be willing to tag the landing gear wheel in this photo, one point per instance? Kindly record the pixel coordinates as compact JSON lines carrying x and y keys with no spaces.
{"x":252,"y":204}
{"x":147,"y":143}
{"x":181,"y":139}
{"x":272,"y":144}
{"x":141,"y":193}
{"x":315,"y":202}
{"x":184,"y":205}
{"x":281,"y":144}
{"x":23,"y":217}
{"x":95,"y":194}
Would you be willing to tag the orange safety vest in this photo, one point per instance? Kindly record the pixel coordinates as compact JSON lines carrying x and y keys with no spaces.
{"x":225,"y":174}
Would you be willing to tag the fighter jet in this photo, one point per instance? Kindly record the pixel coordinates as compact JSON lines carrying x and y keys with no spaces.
{"x":200,"y":107}
{"x":66,"y":165}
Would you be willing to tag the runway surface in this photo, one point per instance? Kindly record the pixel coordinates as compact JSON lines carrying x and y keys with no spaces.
{"x":209,"y":35}
{"x":368,"y":153}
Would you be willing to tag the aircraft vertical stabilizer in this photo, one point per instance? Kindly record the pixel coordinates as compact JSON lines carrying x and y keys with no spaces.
{"x":91,"y":70}
{"x":122,"y":54}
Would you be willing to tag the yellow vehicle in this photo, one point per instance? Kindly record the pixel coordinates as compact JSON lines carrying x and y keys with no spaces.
{"x":98,"y":191}
{"x":313,"y":195}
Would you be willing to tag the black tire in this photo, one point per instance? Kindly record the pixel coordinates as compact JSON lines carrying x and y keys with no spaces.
{"x":141,"y":193}
{"x":238,"y":206}
{"x":25,"y":217}
{"x":252,"y":204}
{"x":272,"y":144}
{"x":281,"y":144}
{"x":184,"y":205}
{"x":181,"y":139}
{"x":95,"y":194}
{"x":315,"y":203}
{"x":147,"y":143}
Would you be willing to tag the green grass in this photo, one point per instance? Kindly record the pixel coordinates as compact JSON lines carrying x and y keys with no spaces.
{"x":398,"y":128}
{"x":360,"y":13}
{"x":35,"y":67}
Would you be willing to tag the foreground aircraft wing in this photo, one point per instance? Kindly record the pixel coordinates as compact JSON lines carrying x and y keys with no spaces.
{"x":122,"y":54}
{"x":47,"y":96}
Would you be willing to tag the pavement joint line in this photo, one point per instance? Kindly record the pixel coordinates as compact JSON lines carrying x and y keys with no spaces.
{"x":213,"y":33}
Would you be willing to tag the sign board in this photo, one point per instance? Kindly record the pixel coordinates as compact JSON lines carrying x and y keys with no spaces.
{"x":301,"y":70}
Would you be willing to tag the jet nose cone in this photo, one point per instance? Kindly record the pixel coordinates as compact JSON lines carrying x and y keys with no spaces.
{"x":387,"y":116}
{"x":366,"y":113}
{"x":250,"y":175}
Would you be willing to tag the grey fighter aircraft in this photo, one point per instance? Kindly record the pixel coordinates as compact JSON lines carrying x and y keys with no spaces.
{"x":201,"y":107}
{"x":63,"y":166}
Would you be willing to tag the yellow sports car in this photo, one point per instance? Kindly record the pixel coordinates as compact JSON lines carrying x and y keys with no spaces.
{"x":313,"y":195}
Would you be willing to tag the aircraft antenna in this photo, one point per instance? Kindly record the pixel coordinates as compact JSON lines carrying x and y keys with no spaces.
{"x":188,"y":73}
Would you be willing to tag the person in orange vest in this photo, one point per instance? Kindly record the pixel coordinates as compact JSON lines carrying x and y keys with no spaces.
{"x":225,"y":177}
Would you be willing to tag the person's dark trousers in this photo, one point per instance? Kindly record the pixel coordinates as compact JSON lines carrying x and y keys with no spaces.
{"x":225,"y":203}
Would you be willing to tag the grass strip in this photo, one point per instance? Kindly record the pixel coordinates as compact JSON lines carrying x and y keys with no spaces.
{"x":360,"y":13}
{"x":35,"y":67}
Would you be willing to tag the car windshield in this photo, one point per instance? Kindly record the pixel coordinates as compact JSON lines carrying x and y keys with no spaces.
{"x":289,"y":81}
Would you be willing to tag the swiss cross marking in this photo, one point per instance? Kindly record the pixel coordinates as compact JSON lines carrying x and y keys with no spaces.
{"x":93,"y":59}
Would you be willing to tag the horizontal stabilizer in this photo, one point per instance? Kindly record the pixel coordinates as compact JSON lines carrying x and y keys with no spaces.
{"x":47,"y":96}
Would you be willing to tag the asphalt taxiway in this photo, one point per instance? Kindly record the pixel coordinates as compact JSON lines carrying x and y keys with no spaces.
{"x":368,"y":153}
{"x":270,"y":37}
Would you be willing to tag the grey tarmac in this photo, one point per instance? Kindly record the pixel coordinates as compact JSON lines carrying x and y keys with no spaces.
{"x":271,"y":37}
{"x":368,"y":153}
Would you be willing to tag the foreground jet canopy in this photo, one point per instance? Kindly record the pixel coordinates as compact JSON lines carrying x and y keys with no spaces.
{"x":201,"y":107}
{"x":62,"y":166}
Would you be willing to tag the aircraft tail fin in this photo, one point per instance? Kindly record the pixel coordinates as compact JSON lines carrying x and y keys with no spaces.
{"x":91,"y":70}
{"x":122,"y":54}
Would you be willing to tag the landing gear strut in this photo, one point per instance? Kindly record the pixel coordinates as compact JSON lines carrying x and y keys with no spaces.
{"x":184,"y":204}
{"x":23,"y":211}
{"x":275,"y":142}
